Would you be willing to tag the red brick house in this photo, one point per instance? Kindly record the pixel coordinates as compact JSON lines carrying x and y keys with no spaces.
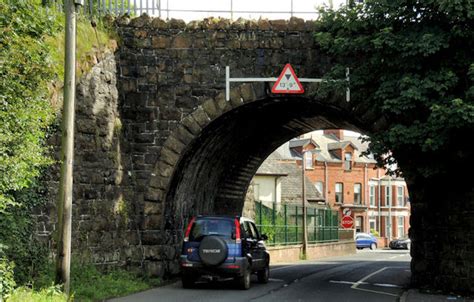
{"x":347,"y":180}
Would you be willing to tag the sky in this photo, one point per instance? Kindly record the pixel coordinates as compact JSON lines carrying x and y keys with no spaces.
{"x":305,"y":9}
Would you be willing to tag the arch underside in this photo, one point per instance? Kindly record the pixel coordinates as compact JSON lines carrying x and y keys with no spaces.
{"x":215,"y":171}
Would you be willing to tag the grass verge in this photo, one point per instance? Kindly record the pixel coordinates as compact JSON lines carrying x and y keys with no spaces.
{"x":87,"y":284}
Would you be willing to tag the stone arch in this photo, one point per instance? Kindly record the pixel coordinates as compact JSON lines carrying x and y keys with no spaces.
{"x":175,"y":190}
{"x":190,"y":128}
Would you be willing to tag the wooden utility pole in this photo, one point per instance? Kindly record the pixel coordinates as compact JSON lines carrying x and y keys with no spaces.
{"x":63,"y":261}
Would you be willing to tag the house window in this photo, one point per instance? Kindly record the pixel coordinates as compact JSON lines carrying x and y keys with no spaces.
{"x":372,"y":195}
{"x":372,"y":224}
{"x":348,"y":161}
{"x":339,"y":192}
{"x":308,"y":157}
{"x":388,"y":196}
{"x":401,"y":226}
{"x":357,"y":195}
{"x":400,"y":196}
{"x":256,"y":192}
{"x":319,"y":186}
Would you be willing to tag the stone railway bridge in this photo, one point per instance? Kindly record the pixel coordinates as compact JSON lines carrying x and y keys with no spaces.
{"x":156,"y":142}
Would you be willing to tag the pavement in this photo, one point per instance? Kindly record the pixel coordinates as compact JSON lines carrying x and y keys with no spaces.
{"x":416,"y":295}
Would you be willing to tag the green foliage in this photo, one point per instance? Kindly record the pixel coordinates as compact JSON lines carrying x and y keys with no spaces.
{"x":49,"y":294}
{"x":17,"y":234}
{"x":411,"y":69}
{"x":31,"y":60}
{"x":7,"y":282}
{"x":25,"y":112}
{"x":374,"y":232}
{"x":88,"y":284}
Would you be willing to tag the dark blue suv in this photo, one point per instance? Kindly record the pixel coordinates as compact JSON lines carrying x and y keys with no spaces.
{"x":222,"y":247}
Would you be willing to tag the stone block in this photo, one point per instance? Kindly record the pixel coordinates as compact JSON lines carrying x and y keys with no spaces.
{"x":174,"y":144}
{"x":184,"y":135}
{"x":177,"y":24}
{"x":279,"y":25}
{"x":296,"y":24}
{"x":158,"y":182}
{"x":152,"y":237}
{"x":159,"y":23}
{"x":182,"y":40}
{"x":186,"y":102}
{"x":169,"y":156}
{"x":142,"y":21}
{"x":154,"y":268}
{"x":247,"y":92}
{"x":210,"y":108}
{"x":152,"y":222}
{"x":201,"y":117}
{"x":160,"y":42}
{"x":263,"y":24}
{"x":191,"y":125}
{"x":164,"y":169}
{"x":152,"y":252}
{"x":153,"y":195}
{"x":235,"y":98}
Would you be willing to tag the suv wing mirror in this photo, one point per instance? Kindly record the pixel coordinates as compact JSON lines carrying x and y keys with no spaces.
{"x":263,"y":237}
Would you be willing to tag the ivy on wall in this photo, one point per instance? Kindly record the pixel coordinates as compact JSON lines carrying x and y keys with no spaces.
{"x":25,"y":110}
{"x":26,"y":71}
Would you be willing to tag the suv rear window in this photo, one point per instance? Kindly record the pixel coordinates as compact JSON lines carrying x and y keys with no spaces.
{"x":215,"y":227}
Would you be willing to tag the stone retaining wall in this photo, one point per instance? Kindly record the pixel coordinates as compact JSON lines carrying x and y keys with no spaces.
{"x":283,"y":254}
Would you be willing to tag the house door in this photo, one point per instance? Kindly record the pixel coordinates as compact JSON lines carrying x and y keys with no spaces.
{"x":358,"y":224}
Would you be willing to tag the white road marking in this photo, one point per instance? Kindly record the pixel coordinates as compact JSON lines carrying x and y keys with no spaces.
{"x":279,"y":268}
{"x":386,"y":285}
{"x":355,"y":286}
{"x":345,"y":282}
{"x":373,"y":284}
{"x":276,"y":280}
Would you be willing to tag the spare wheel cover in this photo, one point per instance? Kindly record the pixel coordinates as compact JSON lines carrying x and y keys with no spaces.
{"x":212,"y":250}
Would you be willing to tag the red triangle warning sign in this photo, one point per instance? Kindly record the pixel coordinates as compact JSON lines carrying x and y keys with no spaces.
{"x":287,"y":82}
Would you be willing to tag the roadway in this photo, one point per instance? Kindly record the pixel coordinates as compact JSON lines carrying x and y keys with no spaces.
{"x":380,"y":275}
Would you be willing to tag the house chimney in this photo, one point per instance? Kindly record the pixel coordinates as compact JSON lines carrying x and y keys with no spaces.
{"x":339,"y":133}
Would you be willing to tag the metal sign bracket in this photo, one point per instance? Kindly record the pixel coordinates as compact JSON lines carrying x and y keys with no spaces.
{"x":229,"y":80}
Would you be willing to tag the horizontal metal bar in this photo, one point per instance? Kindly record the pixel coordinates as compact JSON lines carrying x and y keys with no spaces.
{"x":306,"y":80}
{"x":235,"y":11}
{"x":253,"y":79}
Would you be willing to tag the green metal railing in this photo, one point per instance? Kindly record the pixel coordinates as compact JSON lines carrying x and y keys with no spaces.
{"x":283,"y":223}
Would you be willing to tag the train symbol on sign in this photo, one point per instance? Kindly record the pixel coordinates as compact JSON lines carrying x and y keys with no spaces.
{"x":287,"y":82}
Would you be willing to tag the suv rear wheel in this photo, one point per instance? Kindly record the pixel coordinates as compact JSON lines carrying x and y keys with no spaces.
{"x":263,"y":275}
{"x":243,"y":281}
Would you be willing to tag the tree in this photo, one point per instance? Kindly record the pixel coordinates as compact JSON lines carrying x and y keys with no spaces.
{"x":412,"y":66}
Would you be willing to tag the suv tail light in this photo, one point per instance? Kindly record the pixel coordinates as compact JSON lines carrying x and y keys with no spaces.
{"x":237,"y":231}
{"x":188,"y":230}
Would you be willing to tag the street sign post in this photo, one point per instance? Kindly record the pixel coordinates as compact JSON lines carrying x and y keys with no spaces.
{"x":229,"y":80}
{"x":347,"y":222}
{"x":347,"y":212}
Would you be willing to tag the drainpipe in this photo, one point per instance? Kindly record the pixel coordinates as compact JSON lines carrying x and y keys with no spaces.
{"x":326,"y":179}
